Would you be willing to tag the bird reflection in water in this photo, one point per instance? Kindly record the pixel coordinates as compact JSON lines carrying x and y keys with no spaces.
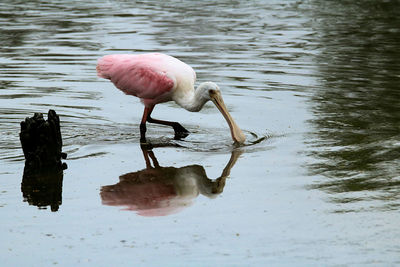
{"x":160,"y":191}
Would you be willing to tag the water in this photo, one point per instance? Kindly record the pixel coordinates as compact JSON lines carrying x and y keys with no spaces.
{"x":313,"y":85}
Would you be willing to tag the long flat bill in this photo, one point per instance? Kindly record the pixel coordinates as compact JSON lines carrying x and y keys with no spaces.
{"x":237,"y":134}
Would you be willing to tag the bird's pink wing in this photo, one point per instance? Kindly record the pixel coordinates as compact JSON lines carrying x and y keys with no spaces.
{"x":135,"y":75}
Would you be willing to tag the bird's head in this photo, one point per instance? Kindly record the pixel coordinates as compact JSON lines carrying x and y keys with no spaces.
{"x":207,"y":89}
{"x":210,"y":91}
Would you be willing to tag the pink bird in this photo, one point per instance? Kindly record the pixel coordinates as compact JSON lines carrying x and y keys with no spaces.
{"x":157,"y":78}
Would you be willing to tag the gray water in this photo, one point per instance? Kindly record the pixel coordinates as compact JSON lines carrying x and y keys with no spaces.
{"x":314,"y":85}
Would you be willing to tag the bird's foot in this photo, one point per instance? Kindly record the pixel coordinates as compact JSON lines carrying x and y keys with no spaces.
{"x":180,"y":131}
{"x":180,"y":135}
{"x":145,"y":145}
{"x":143,"y":140}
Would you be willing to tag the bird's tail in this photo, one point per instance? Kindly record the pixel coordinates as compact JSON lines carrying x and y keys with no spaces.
{"x":104,"y":66}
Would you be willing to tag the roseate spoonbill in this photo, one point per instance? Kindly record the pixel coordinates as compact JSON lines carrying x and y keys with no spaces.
{"x":157,"y":78}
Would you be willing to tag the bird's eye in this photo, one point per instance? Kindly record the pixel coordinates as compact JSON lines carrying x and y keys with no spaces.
{"x":211,"y":92}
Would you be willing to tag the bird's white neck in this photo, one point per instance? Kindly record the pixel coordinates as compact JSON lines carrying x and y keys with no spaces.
{"x":192,"y":100}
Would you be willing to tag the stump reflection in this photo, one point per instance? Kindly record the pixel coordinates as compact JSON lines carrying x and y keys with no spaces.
{"x":43,"y":188}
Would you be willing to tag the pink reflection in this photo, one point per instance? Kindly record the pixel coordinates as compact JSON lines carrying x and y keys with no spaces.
{"x":160,"y":191}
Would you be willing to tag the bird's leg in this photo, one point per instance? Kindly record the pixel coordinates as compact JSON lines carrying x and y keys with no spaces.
{"x":180,"y":131}
{"x":146,"y":114}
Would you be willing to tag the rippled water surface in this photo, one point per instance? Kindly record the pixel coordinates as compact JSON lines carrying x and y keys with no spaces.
{"x":314,"y":85}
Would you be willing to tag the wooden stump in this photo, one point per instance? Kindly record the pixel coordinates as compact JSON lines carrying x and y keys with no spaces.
{"x":43,"y":173}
